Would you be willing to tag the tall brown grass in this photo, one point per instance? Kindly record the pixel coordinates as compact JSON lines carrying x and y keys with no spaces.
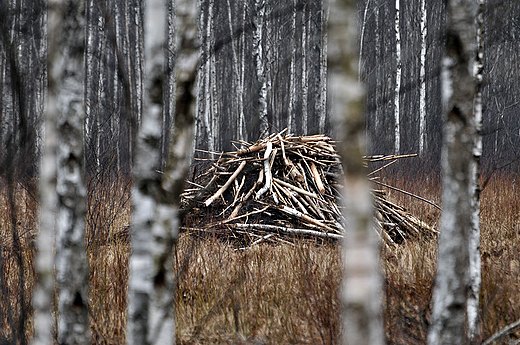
{"x":108,"y":252}
{"x":18,"y":223}
{"x":265,"y":294}
{"x":270,"y":293}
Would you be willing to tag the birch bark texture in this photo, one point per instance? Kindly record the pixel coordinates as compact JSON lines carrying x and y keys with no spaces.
{"x":452,"y":280}
{"x":156,"y":192}
{"x":361,"y":290}
{"x":263,"y":63}
{"x":70,"y":262}
{"x":475,"y":267}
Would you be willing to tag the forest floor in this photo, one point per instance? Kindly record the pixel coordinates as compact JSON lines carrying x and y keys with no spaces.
{"x":278,"y":293}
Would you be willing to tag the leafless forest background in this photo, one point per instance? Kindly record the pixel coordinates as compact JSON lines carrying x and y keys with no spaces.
{"x":105,"y":108}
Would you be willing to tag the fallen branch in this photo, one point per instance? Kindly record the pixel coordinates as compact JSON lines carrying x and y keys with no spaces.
{"x":293,"y":231}
{"x":405,"y":192}
{"x":267,"y":170}
{"x":224,"y":187}
{"x":503,"y":332}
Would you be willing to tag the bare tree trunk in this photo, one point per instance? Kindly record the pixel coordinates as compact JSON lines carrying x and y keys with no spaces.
{"x":422,"y":78}
{"x":452,"y":282}
{"x":156,"y":193}
{"x":475,"y":275}
{"x":361,"y":292}
{"x":397,"y":89}
{"x":259,"y":55}
{"x":71,"y":263}
{"x":43,"y":295}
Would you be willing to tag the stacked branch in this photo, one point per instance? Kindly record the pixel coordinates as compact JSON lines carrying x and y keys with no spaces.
{"x":279,"y":187}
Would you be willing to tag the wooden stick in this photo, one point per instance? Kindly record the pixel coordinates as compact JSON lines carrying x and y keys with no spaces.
{"x":503,"y":332}
{"x":267,"y":171}
{"x":296,"y":189}
{"x":381,"y":168}
{"x":305,"y":217}
{"x":242,"y":216}
{"x":274,"y":228}
{"x":225,"y":186}
{"x":239,"y":188}
{"x":317,"y":178}
{"x":253,"y":148}
{"x":251,"y":191}
{"x":405,"y":192}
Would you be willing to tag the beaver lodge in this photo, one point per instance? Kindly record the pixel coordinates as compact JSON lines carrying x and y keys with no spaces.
{"x":280,"y":188}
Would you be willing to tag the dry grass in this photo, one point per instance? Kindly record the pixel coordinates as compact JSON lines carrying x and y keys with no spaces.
{"x":269,"y":294}
{"x":108,"y":251}
{"x":500,"y":248}
{"x":266,"y":294}
{"x":18,"y":219}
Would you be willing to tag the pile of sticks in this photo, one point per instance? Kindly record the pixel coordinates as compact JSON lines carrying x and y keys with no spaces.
{"x":279,"y":187}
{"x":394,"y":222}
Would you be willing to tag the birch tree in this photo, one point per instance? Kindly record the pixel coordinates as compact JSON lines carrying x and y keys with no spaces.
{"x":397,"y":91}
{"x":156,"y":193}
{"x":452,"y":280}
{"x":475,"y":274}
{"x":361,"y":290}
{"x":71,"y":263}
{"x":422,"y":78}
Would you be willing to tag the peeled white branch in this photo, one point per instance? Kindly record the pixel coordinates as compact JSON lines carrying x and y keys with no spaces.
{"x":305,"y":217}
{"x":228,"y":183}
{"x":274,"y":228}
{"x":296,"y":189}
{"x":267,"y":170}
{"x":317,"y":178}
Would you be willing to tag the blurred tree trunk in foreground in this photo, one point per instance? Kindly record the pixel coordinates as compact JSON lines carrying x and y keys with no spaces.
{"x":169,"y":92}
{"x":452,"y":282}
{"x":71,"y":263}
{"x":23,"y":81}
{"x":361,"y":292}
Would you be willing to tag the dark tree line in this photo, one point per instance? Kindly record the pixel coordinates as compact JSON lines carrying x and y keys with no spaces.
{"x":262,"y":64}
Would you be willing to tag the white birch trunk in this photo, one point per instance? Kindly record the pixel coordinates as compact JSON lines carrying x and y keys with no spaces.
{"x":71,"y":262}
{"x":141,"y":311}
{"x":361,"y":291}
{"x":258,"y":53}
{"x":397,"y":90}
{"x":42,"y":298}
{"x":155,"y":195}
{"x":474,"y":237}
{"x":321,"y":107}
{"x":207,"y":123}
{"x":363,"y":27}
{"x":305,"y":77}
{"x":292,"y":83}
{"x":452,"y":281}
{"x":422,"y":79}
